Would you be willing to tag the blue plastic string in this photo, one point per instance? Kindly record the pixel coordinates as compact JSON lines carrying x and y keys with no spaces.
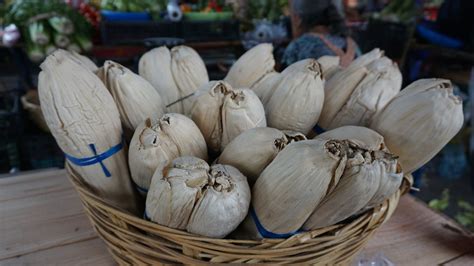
{"x":264,"y":232}
{"x":140,"y":189}
{"x":318,"y":129}
{"x":97,"y":158}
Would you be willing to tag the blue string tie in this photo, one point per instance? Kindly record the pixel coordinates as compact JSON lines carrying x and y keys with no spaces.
{"x":267,"y":234}
{"x":318,"y":129}
{"x":97,"y":158}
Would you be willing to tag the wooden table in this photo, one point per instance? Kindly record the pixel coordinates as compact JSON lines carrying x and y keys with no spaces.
{"x":42,"y":223}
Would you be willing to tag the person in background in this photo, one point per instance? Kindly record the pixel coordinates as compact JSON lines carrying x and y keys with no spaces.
{"x":318,"y":29}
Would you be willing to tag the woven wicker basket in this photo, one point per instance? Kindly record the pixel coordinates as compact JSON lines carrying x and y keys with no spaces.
{"x":132,"y":240}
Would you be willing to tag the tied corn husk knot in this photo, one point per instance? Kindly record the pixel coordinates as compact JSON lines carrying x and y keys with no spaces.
{"x":157,"y":142}
{"x":222,"y":113}
{"x":254,"y":149}
{"x":189,"y":73}
{"x":356,"y":94}
{"x":82,"y":60}
{"x":420,"y":121}
{"x":371,"y":176}
{"x":203,"y":200}
{"x":155,"y":66}
{"x":293,"y":184}
{"x":297,"y":100}
{"x":329,"y":65}
{"x":81,"y":114}
{"x":251,"y":66}
{"x":315,"y":183}
{"x":135,"y":97}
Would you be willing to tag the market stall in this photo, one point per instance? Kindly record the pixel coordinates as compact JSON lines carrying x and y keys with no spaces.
{"x":236,"y":132}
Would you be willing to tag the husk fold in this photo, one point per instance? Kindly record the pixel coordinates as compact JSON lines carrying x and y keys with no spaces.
{"x":254,"y":149}
{"x":135,"y":97}
{"x":157,"y":142}
{"x":251,"y":66}
{"x":222,"y":113}
{"x":297,"y":99}
{"x":420,"y":121}
{"x":190,"y":195}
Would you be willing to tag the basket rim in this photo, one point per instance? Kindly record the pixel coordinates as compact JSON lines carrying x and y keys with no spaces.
{"x":85,"y":189}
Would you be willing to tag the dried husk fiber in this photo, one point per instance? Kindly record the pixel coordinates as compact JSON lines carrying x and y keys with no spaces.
{"x":189,"y":73}
{"x":369,"y":139}
{"x":222,"y":113}
{"x":190,"y":195}
{"x":155,"y":66}
{"x":356,"y":94}
{"x":79,"y":112}
{"x":135,"y":97}
{"x":254,"y":149}
{"x":251,"y":66}
{"x":297,"y":99}
{"x":157,"y":142}
{"x":420,"y":121}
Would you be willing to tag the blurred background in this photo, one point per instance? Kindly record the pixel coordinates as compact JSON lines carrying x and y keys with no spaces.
{"x":431,"y":38}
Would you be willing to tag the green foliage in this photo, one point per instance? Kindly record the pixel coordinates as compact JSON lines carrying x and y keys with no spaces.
{"x":440,"y":204}
{"x":466,"y":216}
{"x":266,"y":9}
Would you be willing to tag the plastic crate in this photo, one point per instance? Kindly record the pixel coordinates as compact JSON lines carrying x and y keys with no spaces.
{"x":43,"y":152}
{"x":203,"y":31}
{"x":134,"y":32}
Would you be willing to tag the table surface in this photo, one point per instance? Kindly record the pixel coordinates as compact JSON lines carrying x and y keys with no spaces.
{"x":42,"y":222}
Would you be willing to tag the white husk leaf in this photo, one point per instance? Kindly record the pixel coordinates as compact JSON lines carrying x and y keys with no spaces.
{"x":222,"y":113}
{"x":380,"y":85}
{"x":265,"y":86}
{"x":419,"y":121}
{"x":298,"y":98}
{"x":329,"y":65}
{"x":79,"y":112}
{"x":157,"y":142}
{"x":251,"y":66}
{"x":135,"y":97}
{"x":364,"y":137}
{"x":253,"y":150}
{"x":189,"y":73}
{"x":155,"y":66}
{"x":83,"y":61}
{"x":341,"y":85}
{"x":208,"y":201}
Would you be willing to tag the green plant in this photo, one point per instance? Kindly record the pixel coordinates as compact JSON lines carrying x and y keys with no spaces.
{"x":466,"y":216}
{"x":440,"y":204}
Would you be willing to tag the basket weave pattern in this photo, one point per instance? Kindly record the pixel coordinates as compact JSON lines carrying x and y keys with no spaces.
{"x":132,"y":240}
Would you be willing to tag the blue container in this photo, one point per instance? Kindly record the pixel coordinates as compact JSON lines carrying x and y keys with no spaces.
{"x":124,"y":16}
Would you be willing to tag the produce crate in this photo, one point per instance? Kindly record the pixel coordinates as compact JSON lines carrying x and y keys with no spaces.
{"x":204,"y":31}
{"x":134,"y":32}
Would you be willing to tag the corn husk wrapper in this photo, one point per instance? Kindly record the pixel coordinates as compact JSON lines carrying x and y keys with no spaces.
{"x":189,"y":73}
{"x":79,"y":112}
{"x":364,"y":137}
{"x":419,"y":121}
{"x":298,"y":98}
{"x":254,"y":149}
{"x":251,"y":66}
{"x":329,"y":65}
{"x":84,"y":61}
{"x":222,"y":113}
{"x":136,"y":99}
{"x":381,"y":84}
{"x":190,"y":195}
{"x":294,"y":183}
{"x":157,"y":142}
{"x":354,"y":95}
{"x":357,"y":186}
{"x":155,"y":66}
{"x":369,"y":139}
{"x":265,"y":87}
